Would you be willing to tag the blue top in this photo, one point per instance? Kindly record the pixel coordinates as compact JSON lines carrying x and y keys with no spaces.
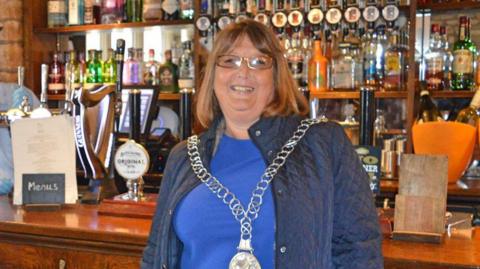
{"x":205,"y":225}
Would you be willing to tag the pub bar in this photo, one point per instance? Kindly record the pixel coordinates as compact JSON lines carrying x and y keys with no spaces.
{"x":323,"y":133}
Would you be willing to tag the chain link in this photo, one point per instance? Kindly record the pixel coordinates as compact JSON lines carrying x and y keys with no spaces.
{"x":245,"y":217}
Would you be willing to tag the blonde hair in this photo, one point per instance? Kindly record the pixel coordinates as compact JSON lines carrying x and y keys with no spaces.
{"x":287,"y":100}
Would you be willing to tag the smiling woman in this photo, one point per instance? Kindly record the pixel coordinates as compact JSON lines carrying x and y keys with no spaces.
{"x":228,"y":201}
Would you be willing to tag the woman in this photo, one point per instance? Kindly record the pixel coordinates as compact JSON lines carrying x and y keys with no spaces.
{"x":317,"y":211}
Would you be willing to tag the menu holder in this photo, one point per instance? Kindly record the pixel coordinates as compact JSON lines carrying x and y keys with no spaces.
{"x":44,"y":162}
{"x":421,"y":202}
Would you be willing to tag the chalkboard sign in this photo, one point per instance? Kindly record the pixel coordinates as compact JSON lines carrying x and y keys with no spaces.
{"x":43,"y":188}
{"x":370,"y":157}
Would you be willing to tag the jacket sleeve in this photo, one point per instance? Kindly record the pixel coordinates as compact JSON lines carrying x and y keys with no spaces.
{"x":357,"y":238}
{"x":169,"y":175}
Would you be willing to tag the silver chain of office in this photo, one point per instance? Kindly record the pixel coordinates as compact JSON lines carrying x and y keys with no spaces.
{"x":245,"y":217}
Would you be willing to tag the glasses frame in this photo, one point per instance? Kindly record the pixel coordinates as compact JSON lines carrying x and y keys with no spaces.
{"x":247,"y":61}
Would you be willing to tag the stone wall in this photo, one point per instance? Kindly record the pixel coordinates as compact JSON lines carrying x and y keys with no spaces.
{"x":450,"y":19}
{"x":11,"y":39}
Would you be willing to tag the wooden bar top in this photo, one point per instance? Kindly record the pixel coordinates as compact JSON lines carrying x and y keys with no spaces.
{"x":81,"y":228}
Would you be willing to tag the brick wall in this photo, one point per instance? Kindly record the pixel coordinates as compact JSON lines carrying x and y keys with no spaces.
{"x":450,"y":19}
{"x":11,"y":39}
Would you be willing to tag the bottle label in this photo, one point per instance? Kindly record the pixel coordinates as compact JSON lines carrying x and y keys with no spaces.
{"x":392,"y":65}
{"x":166,"y":77}
{"x":56,"y":7}
{"x":369,"y":70}
{"x":434,"y":65}
{"x":342,"y":75}
{"x":462,"y":61}
{"x":170,"y":6}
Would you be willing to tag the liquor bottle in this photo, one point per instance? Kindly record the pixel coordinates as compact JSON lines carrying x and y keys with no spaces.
{"x":186,"y":10}
{"x":112,"y":11}
{"x":75,"y":12}
{"x":434,"y":58}
{"x":134,"y":68}
{"x":447,"y":58}
{"x":295,"y":58}
{"x":343,"y":69}
{"x":88,"y":12}
{"x":97,"y":11}
{"x":381,"y":45}
{"x":150,"y":75}
{"x":127,"y":68}
{"x":109,"y":71}
{"x":42,"y":111}
{"x":186,"y":76}
{"x":72,"y":70}
{"x":428,"y":111}
{"x":94,"y":68}
{"x":56,"y":79}
{"x":369,"y":58}
{"x":168,"y":74}
{"x":395,"y":65}
{"x":139,"y":58}
{"x":82,"y":68}
{"x":358,"y":69}
{"x":134,"y":10}
{"x":170,"y":10}
{"x":463,"y":58}
{"x":57,"y":13}
{"x":317,"y":69}
{"x":152,"y":10}
{"x":470,"y":114}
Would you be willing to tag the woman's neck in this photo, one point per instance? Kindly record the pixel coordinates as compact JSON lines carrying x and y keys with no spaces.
{"x":237,"y":130}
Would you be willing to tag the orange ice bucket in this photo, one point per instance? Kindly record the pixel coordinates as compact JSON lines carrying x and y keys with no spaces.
{"x":456,"y":140}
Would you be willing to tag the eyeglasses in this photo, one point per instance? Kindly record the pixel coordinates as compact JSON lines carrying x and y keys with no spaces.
{"x":234,"y":62}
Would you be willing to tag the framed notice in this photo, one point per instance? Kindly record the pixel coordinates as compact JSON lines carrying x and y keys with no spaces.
{"x":44,"y":161}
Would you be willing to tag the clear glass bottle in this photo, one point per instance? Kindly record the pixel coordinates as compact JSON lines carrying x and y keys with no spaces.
{"x":141,"y":64}
{"x":152,"y":10}
{"x":434,"y":58}
{"x":57,"y":13}
{"x":369,"y":58}
{"x":110,"y":68}
{"x":447,"y":58}
{"x":150,"y":75}
{"x":168,"y":74}
{"x":72,"y":70}
{"x":186,"y":68}
{"x":381,"y":43}
{"x":470,"y":114}
{"x":463,"y":58}
{"x":343,"y":69}
{"x":357,"y":58}
{"x":127,"y":68}
{"x":395,"y":65}
{"x":295,"y":58}
{"x":56,"y":75}
{"x":134,"y":68}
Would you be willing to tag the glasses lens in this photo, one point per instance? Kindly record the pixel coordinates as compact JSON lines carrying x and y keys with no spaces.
{"x":261,"y":62}
{"x":229,"y":61}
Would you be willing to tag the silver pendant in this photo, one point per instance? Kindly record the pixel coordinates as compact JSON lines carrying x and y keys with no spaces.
{"x":244,"y":260}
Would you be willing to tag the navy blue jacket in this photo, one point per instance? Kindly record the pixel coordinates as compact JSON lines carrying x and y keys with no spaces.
{"x":325,"y":214}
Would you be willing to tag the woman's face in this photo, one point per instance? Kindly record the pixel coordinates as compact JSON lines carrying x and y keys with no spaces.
{"x":243,"y":93}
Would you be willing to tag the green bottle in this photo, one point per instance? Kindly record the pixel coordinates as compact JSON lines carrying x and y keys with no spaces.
{"x":168,"y":74}
{"x":464,"y":51}
{"x":134,"y":10}
{"x":110,"y":68}
{"x":94,"y":67}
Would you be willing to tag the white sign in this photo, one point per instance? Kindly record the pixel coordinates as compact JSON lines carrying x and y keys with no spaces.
{"x":131,"y":160}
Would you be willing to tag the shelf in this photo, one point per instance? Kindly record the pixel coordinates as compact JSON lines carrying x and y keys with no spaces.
{"x":452,"y":94}
{"x":450,"y":6}
{"x":356,"y":95}
{"x":93,"y":27}
{"x":161,"y":97}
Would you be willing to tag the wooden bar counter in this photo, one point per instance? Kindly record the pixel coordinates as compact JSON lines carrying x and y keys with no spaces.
{"x":77,"y":237}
